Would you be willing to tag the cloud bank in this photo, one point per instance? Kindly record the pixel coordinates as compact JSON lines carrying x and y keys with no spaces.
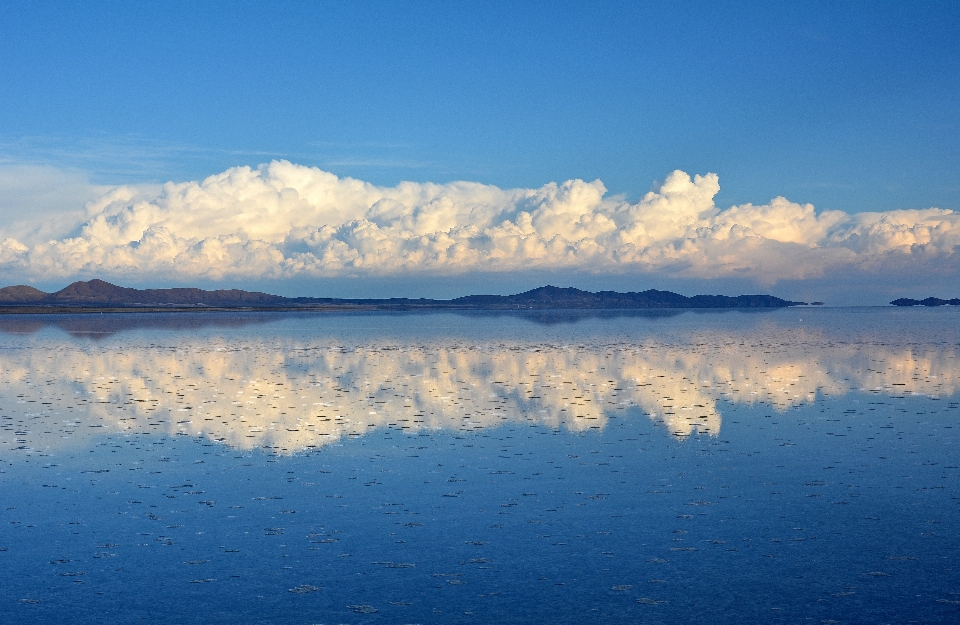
{"x":283,"y":220}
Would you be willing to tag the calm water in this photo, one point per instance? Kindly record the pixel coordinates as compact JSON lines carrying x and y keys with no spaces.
{"x":783,"y":466}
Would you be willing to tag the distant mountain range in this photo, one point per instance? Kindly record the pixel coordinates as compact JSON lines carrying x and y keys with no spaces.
{"x":930,"y":301}
{"x":97,"y":294}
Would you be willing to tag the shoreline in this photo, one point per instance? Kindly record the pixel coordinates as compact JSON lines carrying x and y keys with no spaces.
{"x":404,"y":308}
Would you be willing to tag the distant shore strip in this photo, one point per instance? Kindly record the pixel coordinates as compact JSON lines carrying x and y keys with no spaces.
{"x":100,"y":296}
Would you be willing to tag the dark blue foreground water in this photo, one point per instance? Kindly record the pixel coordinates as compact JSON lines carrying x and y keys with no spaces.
{"x":542,"y":473}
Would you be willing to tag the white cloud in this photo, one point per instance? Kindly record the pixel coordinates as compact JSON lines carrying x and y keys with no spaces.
{"x":38,"y":202}
{"x":283,"y":220}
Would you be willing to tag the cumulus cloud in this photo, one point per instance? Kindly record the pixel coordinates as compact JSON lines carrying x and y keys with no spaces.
{"x":40,"y":202}
{"x":283,"y":220}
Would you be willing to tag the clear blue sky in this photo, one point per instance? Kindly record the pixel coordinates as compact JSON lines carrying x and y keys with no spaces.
{"x":848,"y":105}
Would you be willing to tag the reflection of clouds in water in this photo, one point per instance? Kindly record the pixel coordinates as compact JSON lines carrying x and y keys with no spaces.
{"x":292,"y":395}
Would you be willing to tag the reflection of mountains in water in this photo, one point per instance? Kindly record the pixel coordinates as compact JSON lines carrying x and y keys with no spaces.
{"x":573,"y":315}
{"x":292,"y":395}
{"x":99,"y":325}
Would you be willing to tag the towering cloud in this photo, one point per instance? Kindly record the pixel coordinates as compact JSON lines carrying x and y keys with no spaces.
{"x":284,"y":220}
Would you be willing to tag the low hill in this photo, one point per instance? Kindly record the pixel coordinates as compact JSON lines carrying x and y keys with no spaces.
{"x":555,"y":297}
{"x":21,"y":294}
{"x":930,"y":301}
{"x":101,"y":293}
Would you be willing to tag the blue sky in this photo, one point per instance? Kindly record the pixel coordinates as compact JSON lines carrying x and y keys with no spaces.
{"x":848,"y":106}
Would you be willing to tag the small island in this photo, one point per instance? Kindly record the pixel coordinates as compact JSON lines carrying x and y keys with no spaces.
{"x":930,"y":301}
{"x":101,"y":296}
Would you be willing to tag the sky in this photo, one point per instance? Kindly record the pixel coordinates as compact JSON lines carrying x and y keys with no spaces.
{"x":809,"y":150}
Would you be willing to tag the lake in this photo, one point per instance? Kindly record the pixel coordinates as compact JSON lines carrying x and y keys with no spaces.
{"x":770,"y":466}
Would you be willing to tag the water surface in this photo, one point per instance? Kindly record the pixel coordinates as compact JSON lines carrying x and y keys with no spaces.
{"x":724,"y":466}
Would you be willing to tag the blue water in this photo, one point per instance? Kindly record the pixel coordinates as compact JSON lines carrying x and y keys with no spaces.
{"x":777,"y":467}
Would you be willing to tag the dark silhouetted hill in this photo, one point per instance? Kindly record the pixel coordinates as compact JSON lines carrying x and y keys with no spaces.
{"x":556,"y":297}
{"x":100,"y":293}
{"x":930,"y":301}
